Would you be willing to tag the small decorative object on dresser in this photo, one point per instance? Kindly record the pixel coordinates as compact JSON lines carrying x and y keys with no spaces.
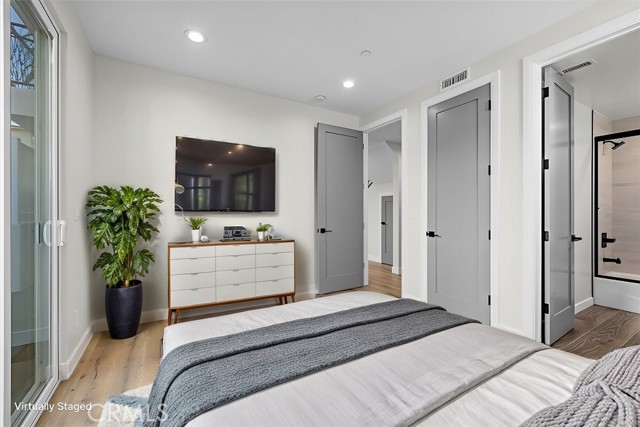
{"x":206,"y":274}
{"x":196,"y":224}
{"x":262,"y":230}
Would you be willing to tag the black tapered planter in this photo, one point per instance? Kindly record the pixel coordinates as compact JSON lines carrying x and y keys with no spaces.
{"x":123,"y":307}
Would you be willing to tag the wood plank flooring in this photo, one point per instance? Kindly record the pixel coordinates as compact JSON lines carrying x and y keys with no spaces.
{"x":600,"y":330}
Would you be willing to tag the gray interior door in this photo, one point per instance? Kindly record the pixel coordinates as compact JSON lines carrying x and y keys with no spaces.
{"x":339,"y":209}
{"x":386,"y":235}
{"x":459,"y":150}
{"x":558,"y":262}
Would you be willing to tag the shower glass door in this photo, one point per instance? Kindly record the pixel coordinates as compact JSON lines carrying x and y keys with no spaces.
{"x":617,"y":224}
{"x":33,"y":207}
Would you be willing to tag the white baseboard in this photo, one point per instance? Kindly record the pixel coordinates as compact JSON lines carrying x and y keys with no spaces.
{"x":396,"y":270}
{"x":584,"y":304}
{"x":375,"y":258}
{"x":66,"y":368}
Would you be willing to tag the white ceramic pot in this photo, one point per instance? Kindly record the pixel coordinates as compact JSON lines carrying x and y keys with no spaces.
{"x":195,"y":235}
{"x":261,"y":235}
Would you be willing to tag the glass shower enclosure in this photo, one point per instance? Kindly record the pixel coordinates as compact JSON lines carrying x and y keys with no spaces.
{"x":617,"y":216}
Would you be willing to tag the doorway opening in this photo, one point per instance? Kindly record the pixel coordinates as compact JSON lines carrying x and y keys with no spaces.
{"x":383,"y":206}
{"x":605,"y":93}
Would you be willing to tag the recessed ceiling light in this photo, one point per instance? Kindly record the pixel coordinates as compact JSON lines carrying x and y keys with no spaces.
{"x":229,"y":152}
{"x":209,"y":164}
{"x":366,"y":53}
{"x":195,"y":36}
{"x":348,"y":84}
{"x":319,"y":98}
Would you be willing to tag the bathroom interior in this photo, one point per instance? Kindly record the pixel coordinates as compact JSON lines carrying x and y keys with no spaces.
{"x":606,"y":171}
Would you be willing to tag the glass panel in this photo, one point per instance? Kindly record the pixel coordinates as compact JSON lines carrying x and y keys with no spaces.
{"x":618,"y":209}
{"x":30,"y":208}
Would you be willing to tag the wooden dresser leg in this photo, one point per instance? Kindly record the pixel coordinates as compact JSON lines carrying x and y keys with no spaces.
{"x":176,"y":316}
{"x":293,"y":297}
{"x":169,"y":317}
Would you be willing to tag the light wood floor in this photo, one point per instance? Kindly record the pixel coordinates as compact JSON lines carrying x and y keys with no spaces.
{"x":109,"y":367}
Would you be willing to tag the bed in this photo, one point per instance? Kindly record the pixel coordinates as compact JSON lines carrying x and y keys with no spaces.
{"x":495,"y":379}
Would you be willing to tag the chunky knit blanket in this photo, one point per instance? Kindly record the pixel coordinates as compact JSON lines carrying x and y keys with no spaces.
{"x":606,"y":394}
{"x":202,"y":375}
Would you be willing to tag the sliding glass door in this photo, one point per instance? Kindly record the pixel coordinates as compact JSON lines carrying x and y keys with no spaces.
{"x":33,"y":210}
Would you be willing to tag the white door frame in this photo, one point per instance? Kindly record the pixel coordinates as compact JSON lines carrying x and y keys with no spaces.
{"x":380,"y":196}
{"x":404,"y":235}
{"x":494,"y":80}
{"x":532,"y":149}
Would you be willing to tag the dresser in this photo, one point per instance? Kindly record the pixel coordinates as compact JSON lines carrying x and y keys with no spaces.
{"x":207,"y":274}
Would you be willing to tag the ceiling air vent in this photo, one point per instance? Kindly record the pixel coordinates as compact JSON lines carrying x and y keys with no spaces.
{"x":456,"y":79}
{"x":578,"y":66}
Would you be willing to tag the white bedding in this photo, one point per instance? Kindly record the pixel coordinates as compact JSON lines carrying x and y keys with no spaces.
{"x":389,"y":387}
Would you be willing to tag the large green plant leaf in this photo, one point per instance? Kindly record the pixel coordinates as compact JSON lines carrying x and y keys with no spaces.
{"x":118,"y":220}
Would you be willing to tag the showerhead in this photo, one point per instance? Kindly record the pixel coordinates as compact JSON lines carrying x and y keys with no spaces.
{"x":616,"y":145}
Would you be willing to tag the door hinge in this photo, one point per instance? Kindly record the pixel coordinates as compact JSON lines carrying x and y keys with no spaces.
{"x":489,"y":105}
{"x":488,"y":169}
{"x":545,"y":164}
{"x":545,"y":308}
{"x":489,"y":234}
{"x":545,"y":92}
{"x":545,"y":236}
{"x":488,"y":299}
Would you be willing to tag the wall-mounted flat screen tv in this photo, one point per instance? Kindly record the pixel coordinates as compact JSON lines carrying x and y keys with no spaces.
{"x":224,"y":177}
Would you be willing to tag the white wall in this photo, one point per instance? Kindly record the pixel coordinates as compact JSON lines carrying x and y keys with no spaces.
{"x":509,"y":61}
{"x":76,"y":140}
{"x":138,"y":111}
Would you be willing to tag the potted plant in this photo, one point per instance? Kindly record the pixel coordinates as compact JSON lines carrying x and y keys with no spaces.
{"x":118,"y":220}
{"x":196,"y":224}
{"x":261,"y":229}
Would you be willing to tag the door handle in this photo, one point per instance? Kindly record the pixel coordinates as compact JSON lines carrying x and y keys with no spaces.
{"x":432,"y":234}
{"x":324,"y":230}
{"x":575,"y":238}
{"x":383,"y":223}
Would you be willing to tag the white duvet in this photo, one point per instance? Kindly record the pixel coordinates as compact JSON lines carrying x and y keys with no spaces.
{"x":393,"y":387}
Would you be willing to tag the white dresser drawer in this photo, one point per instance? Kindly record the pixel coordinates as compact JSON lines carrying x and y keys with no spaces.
{"x":269,"y":248}
{"x":192,"y":281}
{"x":273,"y":259}
{"x":240,"y":291}
{"x":191,"y":265}
{"x":235,"y":262}
{"x":272,"y":287}
{"x":193,"y":297}
{"x":233,"y":277}
{"x":246,"y":249}
{"x":274,"y":273}
{"x":193,"y":252}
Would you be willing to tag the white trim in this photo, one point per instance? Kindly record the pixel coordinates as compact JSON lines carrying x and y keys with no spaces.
{"x":508,"y":329}
{"x":5,"y":217}
{"x":582,"y":305}
{"x":404,"y":179}
{"x":374,"y":258}
{"x":494,"y":80}
{"x":532,"y":147}
{"x":396,"y":270}
{"x":67,"y":367}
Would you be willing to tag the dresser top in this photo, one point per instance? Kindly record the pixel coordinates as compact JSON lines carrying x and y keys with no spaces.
{"x":229,"y":242}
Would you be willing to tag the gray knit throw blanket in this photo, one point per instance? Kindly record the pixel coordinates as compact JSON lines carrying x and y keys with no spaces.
{"x":202,"y":375}
{"x":606,"y":394}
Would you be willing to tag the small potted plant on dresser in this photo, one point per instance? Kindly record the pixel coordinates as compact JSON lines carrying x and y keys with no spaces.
{"x":196,"y":224}
{"x":262,"y":229}
{"x":118,"y":219}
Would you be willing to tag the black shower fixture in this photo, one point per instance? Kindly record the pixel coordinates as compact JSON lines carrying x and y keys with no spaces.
{"x":616,"y":145}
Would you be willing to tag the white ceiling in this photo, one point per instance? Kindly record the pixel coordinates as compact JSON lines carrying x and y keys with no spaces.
{"x":612,"y":85}
{"x":299,"y":49}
